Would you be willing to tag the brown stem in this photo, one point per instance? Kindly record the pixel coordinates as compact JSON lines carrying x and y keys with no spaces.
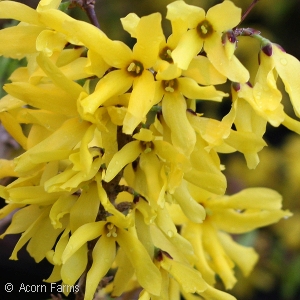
{"x":254,"y":2}
{"x":89,"y":7}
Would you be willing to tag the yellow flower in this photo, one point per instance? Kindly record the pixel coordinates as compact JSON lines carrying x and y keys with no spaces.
{"x":104,"y":254}
{"x":133,"y":70}
{"x":156,"y":158}
{"x":174,"y":106}
{"x":288,"y":68}
{"x":247,"y":138}
{"x":206,"y":33}
{"x":239,"y":213}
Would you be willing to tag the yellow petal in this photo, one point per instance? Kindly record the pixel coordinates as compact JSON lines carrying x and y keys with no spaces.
{"x":174,"y":113}
{"x":149,"y":36}
{"x":60,"y":246}
{"x":291,"y":124}
{"x":250,"y":198}
{"x":60,"y":208}
{"x":239,"y":222}
{"x":107,"y":88}
{"x":76,"y":32}
{"x":22,"y":219}
{"x":9,"y":37}
{"x":50,"y":41}
{"x":288,"y":68}
{"x":224,"y":16}
{"x":9,"y":208}
{"x":60,"y":143}
{"x":18,"y":11}
{"x":7,"y":168}
{"x":143,"y":231}
{"x":179,"y":248}
{"x":86,"y":157}
{"x":190,"y":89}
{"x":214,"y":294}
{"x":140,"y":102}
{"x":57,"y":77}
{"x":191,"y":208}
{"x":210,"y":181}
{"x":85,"y":209}
{"x":43,"y":240}
{"x":44,"y":96}
{"x":203,"y":72}
{"x":190,"y":14}
{"x":48,"y":4}
{"x":244,"y":257}
{"x":30,"y":231}
{"x":164,"y":222}
{"x":144,"y":135}
{"x":81,"y":236}
{"x":123,"y":157}
{"x":232,"y":69}
{"x":194,"y":234}
{"x":73,"y":268}
{"x":130,"y":23}
{"x":123,"y":275}
{"x":147,"y":273}
{"x":37,"y":195}
{"x":55,"y":275}
{"x":104,"y":254}
{"x":154,"y":177}
{"x":166,"y":71}
{"x":220,"y":261}
{"x":189,"y":278}
{"x":8,"y":102}
{"x":248,"y":143}
{"x":117,"y":115}
{"x":188,"y":47}
{"x":14,"y":128}
{"x":96,"y":64}
{"x":168,"y":153}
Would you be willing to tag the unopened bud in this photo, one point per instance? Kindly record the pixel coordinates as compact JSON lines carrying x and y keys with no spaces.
{"x":229,"y":41}
{"x":236,"y":86}
{"x":267,"y":49}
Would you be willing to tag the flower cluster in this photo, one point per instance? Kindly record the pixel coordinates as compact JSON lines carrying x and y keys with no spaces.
{"x":120,"y":175}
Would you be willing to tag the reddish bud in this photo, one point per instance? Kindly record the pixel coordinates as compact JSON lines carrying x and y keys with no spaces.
{"x":267,"y":49}
{"x":229,"y":36}
{"x":236,"y":86}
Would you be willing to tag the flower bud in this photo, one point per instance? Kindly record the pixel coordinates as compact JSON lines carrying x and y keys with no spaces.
{"x":229,"y":41}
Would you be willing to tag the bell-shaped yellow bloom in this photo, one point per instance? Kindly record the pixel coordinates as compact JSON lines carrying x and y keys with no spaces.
{"x":206,"y":33}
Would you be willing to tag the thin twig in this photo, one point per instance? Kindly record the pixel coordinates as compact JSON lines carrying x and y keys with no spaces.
{"x":89,"y":7}
{"x":254,"y":2}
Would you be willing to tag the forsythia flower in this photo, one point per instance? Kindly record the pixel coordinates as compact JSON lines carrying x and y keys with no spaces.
{"x":119,"y":172}
{"x":206,"y":32}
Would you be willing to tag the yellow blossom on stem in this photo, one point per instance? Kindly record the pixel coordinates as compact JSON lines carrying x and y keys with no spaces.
{"x":206,"y":32}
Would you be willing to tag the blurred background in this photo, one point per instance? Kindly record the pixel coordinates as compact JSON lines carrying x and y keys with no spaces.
{"x":277,"y":274}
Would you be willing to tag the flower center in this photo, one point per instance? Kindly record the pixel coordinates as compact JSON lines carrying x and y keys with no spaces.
{"x":135,"y":68}
{"x":147,"y":146}
{"x":112,"y":230}
{"x":205,"y":29}
{"x":165,"y":54}
{"x":170,"y":85}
